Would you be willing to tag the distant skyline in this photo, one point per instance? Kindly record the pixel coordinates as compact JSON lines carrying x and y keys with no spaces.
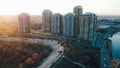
{"x":35,"y":7}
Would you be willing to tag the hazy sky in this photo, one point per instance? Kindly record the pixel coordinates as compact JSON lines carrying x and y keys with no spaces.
{"x":100,"y":7}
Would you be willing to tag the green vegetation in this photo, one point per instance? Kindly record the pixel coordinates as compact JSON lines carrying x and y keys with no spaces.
{"x":20,"y":54}
{"x":86,"y":55}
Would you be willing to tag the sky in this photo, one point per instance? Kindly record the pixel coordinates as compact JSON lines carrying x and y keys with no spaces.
{"x":35,"y":7}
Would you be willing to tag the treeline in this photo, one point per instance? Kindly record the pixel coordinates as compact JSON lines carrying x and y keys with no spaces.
{"x":20,"y":54}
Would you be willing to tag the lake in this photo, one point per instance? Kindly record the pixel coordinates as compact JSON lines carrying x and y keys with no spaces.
{"x":116,"y":45}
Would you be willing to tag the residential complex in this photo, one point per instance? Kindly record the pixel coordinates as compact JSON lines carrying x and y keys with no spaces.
{"x":24,"y":23}
{"x":76,"y":24}
{"x":57,"y":21}
{"x":68,"y":25}
{"x":78,"y":10}
{"x":47,"y":20}
{"x":88,"y":26}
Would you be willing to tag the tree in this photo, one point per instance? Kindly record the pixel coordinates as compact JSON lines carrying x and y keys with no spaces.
{"x":35,"y":56}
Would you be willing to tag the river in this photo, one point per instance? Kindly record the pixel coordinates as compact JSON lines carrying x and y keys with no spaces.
{"x":116,"y":45}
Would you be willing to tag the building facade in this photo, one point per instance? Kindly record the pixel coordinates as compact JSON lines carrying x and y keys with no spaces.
{"x":57,"y":21}
{"x":24,"y":23}
{"x":78,"y":10}
{"x":47,"y":20}
{"x":68,"y":25}
{"x":89,"y":26}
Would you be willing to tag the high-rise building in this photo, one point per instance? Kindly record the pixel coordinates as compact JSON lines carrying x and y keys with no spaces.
{"x":89,"y":26}
{"x":47,"y":20}
{"x":68,"y":25}
{"x":57,"y":21}
{"x":24,"y":23}
{"x":78,"y":10}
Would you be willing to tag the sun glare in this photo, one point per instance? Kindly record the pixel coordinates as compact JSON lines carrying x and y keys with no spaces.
{"x":8,"y":25}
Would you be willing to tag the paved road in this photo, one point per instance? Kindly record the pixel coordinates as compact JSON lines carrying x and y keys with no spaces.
{"x":52,"y":58}
{"x":104,"y":57}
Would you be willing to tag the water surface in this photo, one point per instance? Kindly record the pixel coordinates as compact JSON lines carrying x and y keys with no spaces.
{"x":116,"y":45}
